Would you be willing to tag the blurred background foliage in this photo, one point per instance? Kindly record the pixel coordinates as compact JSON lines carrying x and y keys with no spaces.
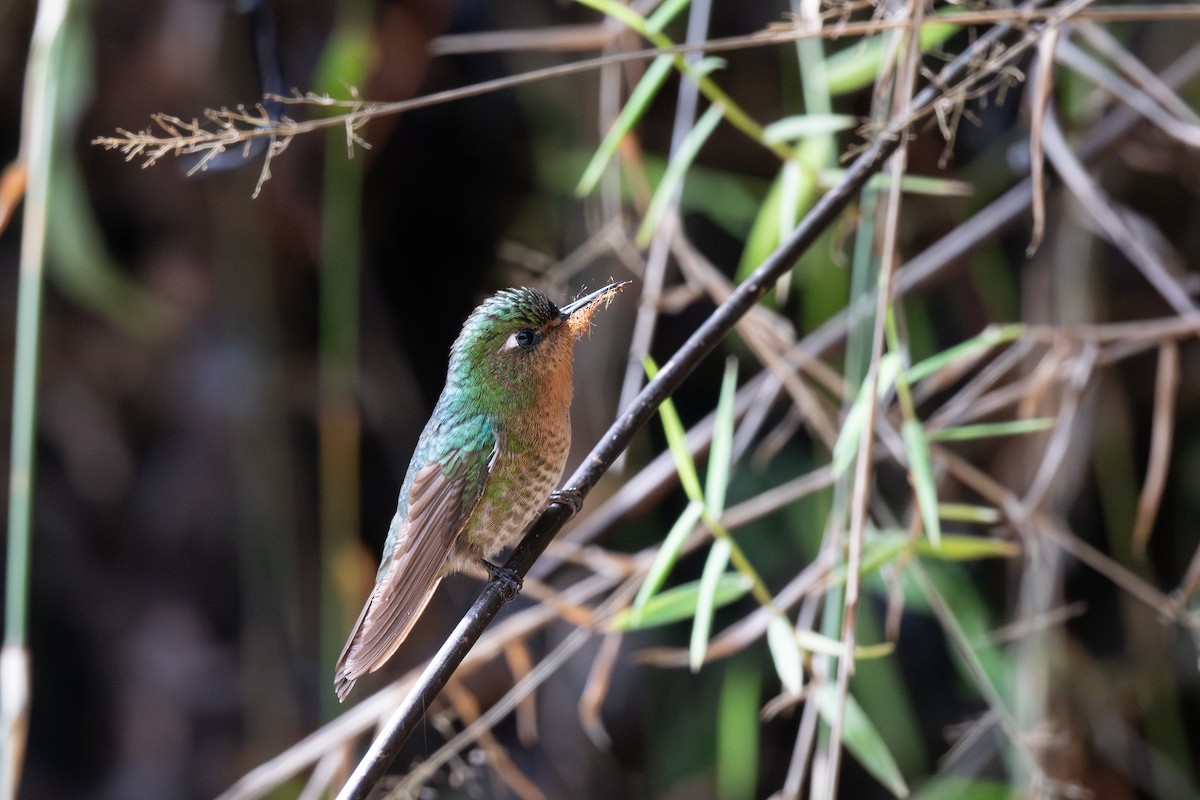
{"x":231,"y":386}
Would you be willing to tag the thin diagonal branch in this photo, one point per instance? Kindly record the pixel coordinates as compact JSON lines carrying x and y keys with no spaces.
{"x":1110,"y":224}
{"x":1162,"y":428}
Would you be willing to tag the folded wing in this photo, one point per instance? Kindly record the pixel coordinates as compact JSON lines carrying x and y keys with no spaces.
{"x":440,"y":502}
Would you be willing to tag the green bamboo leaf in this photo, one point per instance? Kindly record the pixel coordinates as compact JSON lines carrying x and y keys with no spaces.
{"x":720,"y":452}
{"x":77,"y":254}
{"x":815,"y":642}
{"x":954,"y":546}
{"x":83,"y":267}
{"x":791,"y":194}
{"x":968,"y":548}
{"x":1016,"y":427}
{"x":845,"y":449}
{"x":619,"y":12}
{"x":796,"y":191}
{"x":988,"y":338}
{"x":966,"y":512}
{"x":677,"y":441}
{"x":890,"y":365}
{"x":347,"y":55}
{"x":881,"y":549}
{"x":764,"y":233}
{"x":707,"y":600}
{"x":911,"y":184}
{"x":665,"y":558}
{"x":920,"y":469}
{"x":680,"y":602}
{"x":802,"y":126}
{"x":785,"y":652}
{"x":676,"y":171}
{"x":639,"y":100}
{"x":737,"y":754}
{"x":967,"y":619}
{"x":862,"y":739}
{"x":663,"y":15}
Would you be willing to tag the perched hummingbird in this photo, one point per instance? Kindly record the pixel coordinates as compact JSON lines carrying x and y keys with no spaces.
{"x":493,"y":450}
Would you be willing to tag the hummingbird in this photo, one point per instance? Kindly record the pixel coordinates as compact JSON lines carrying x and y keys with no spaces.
{"x":491,"y":453}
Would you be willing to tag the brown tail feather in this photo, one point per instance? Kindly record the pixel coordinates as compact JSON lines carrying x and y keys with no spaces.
{"x":376,"y":635}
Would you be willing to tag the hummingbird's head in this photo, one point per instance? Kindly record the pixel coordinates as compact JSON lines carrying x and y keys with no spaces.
{"x":517,"y":346}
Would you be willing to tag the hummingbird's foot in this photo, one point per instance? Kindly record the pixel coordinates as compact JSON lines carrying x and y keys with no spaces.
{"x":570,"y":497}
{"x":510,"y":582}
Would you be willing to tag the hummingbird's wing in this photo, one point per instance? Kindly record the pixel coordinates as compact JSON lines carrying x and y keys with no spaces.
{"x":440,"y":501}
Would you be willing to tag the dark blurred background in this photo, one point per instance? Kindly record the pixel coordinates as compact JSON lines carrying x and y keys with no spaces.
{"x":176,"y":612}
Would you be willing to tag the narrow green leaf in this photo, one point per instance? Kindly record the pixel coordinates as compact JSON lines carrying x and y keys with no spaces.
{"x":890,"y":365}
{"x":966,"y":619}
{"x":663,"y":15}
{"x":705,"y":66}
{"x":677,"y":441}
{"x":954,"y":547}
{"x":845,"y":449}
{"x":968,"y":548}
{"x":83,"y":266}
{"x":764,"y":235}
{"x":676,"y":171}
{"x":737,"y":732}
{"x":764,"y":230}
{"x":987,"y":338}
{"x":666,"y":557}
{"x":729,"y":199}
{"x":910,"y":184}
{"x":966,"y":512}
{"x":984,"y":430}
{"x":619,"y":12}
{"x":795,"y":188}
{"x":680,"y":602}
{"x":785,"y":652}
{"x":920,"y":470}
{"x":706,"y":601}
{"x":347,"y":56}
{"x":635,"y":107}
{"x":715,"y":486}
{"x":880,"y":550}
{"x":720,"y":452}
{"x":815,"y":642}
{"x":862,"y":739}
{"x":802,"y":126}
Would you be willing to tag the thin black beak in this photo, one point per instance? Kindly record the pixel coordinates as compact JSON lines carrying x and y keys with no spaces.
{"x":588,"y":299}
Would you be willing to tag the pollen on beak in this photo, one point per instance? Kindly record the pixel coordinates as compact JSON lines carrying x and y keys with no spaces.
{"x":578,"y":314}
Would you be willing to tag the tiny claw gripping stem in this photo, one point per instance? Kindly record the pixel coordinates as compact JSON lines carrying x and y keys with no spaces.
{"x":570,"y":497}
{"x":510,"y":582}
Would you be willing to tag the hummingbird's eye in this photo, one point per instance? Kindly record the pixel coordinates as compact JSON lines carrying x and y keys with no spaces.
{"x":524,"y":339}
